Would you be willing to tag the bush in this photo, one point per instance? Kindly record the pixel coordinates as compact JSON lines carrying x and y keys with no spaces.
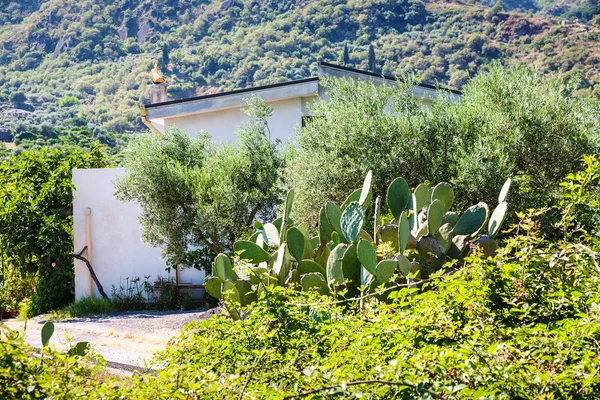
{"x":197,"y":195}
{"x":68,"y":101}
{"x":510,"y":122}
{"x":87,"y":306}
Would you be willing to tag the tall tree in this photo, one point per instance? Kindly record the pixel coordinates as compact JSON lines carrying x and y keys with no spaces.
{"x":346,"y":55}
{"x":371,"y":59}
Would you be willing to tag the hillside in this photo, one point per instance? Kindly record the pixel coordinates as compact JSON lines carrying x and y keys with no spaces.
{"x":72,"y":72}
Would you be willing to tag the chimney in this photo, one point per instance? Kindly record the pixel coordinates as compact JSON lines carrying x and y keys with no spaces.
{"x":158,"y":93}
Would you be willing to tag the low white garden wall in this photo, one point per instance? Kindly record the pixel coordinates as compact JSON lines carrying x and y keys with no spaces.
{"x":118,"y":252}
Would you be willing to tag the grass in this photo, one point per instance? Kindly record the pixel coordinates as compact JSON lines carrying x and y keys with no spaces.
{"x":85,"y":307}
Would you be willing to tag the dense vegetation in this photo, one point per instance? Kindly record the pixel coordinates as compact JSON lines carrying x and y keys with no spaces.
{"x":524,"y":324}
{"x":510,"y":122}
{"x":36,"y":228}
{"x":100,"y":52}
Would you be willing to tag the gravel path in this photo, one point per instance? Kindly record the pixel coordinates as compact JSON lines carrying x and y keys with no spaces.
{"x":131,"y":337}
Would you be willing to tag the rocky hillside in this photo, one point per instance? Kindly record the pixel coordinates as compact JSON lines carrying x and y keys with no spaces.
{"x":74,"y":71}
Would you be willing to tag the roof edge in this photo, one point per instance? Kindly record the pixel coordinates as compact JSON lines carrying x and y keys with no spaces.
{"x":391,"y":78}
{"x":238,"y":91}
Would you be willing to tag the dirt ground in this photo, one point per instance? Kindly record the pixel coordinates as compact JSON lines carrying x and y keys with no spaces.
{"x":129,"y":338}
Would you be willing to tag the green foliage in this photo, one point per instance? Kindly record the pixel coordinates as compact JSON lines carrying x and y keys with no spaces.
{"x":344,"y":262}
{"x":194,"y":193}
{"x":510,"y":122}
{"x":68,"y":101}
{"x":101,"y":51}
{"x":86,"y":307}
{"x":36,"y":224}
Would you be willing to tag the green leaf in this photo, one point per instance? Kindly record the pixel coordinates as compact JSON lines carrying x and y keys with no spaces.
{"x":270,"y":235}
{"x":445,"y":193}
{"x":472,"y":220}
{"x":435,"y":213}
{"x":79,"y":349}
{"x":335,"y":275}
{"x":504,"y":191}
{"x":47,"y":332}
{"x":351,"y":265}
{"x":222,"y":267}
{"x":247,"y":295}
{"x":398,"y":195}
{"x":213,"y":287}
{"x":497,"y":218}
{"x":325,"y":227}
{"x":365,"y":193}
{"x":289,"y":201}
{"x":295,"y":241}
{"x":314,"y":280}
{"x":421,"y":194}
{"x":385,"y":270}
{"x":367,"y":256}
{"x":404,"y":264}
{"x":352,"y":220}
{"x":309,"y":266}
{"x":334,"y":215}
{"x":403,"y":231}
{"x":250,"y":252}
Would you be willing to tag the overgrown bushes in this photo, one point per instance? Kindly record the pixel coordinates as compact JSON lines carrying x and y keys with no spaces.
{"x":36,"y":228}
{"x":510,"y":122}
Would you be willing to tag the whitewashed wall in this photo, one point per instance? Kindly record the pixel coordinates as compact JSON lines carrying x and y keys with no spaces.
{"x":222,"y":124}
{"x":117,"y":248}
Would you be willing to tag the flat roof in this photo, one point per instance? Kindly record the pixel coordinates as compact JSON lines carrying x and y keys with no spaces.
{"x":233,"y":92}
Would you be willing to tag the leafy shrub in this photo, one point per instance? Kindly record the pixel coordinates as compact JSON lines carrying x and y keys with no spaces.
{"x":87,"y":306}
{"x":68,"y":101}
{"x":195,"y":194}
{"x":510,"y":122}
{"x":36,"y":194}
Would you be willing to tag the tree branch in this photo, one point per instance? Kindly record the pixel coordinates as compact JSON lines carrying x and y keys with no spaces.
{"x":92,"y":273}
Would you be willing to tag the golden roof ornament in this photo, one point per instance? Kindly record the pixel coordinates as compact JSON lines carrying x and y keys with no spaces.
{"x":157,"y":76}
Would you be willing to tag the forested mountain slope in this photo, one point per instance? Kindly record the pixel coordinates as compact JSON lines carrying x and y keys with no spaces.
{"x":74,"y":71}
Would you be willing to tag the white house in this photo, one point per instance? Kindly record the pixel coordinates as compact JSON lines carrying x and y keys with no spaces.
{"x":109,"y":228}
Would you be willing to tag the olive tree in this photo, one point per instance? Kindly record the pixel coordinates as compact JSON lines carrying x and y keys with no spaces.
{"x":198,"y":197}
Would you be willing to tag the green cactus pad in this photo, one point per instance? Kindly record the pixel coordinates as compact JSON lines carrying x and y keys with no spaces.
{"x":472,"y":220}
{"x":367,"y":256}
{"x":389,"y":234}
{"x":497,"y":218}
{"x":289,"y":201}
{"x":314,"y":243}
{"x":398,"y":195}
{"x":385,"y":270}
{"x":251,"y":252}
{"x":432,"y":252}
{"x":322,"y":255}
{"x":325,"y":228}
{"x":435,"y":213}
{"x":459,"y":247}
{"x":504,"y":191}
{"x":443,"y":192}
{"x":421,"y":195}
{"x":351,"y":221}
{"x":365,"y":193}
{"x":258,"y":225}
{"x":309,"y":266}
{"x":47,"y":332}
{"x":335,"y":274}
{"x":403,"y":231}
{"x":212,"y":285}
{"x":314,"y":281}
{"x":351,"y":265}
{"x":231,"y":298}
{"x":423,"y":230}
{"x":295,"y":241}
{"x":270,"y":235}
{"x":450,"y":218}
{"x":444,"y":236}
{"x":404,"y":264}
{"x":282,"y":263}
{"x":334,"y":215}
{"x":488,"y":245}
{"x":222,"y":267}
{"x":355,"y":196}
{"x":247,"y":295}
